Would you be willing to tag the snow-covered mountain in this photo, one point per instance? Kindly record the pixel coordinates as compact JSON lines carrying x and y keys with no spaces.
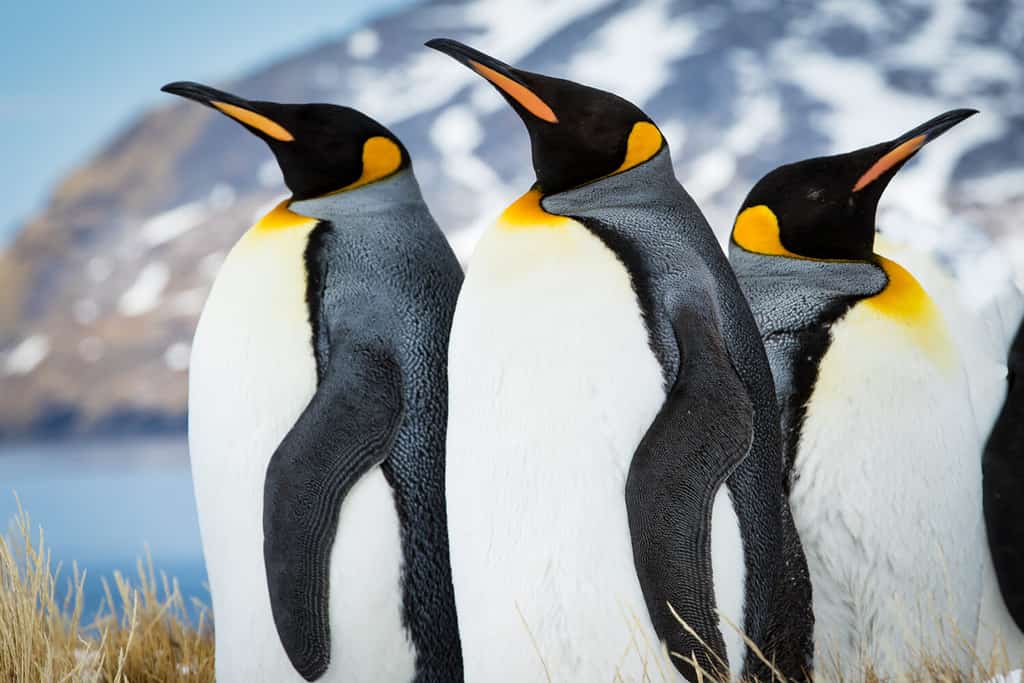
{"x":102,"y":291}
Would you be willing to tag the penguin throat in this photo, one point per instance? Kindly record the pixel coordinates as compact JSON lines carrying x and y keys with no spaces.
{"x":282,"y":218}
{"x":903,"y":298}
{"x":527,"y":212}
{"x":904,"y":301}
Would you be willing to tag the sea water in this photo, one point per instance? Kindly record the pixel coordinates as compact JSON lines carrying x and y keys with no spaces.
{"x":104,"y":504}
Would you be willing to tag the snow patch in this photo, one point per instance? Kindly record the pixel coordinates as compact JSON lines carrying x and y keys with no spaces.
{"x":464,"y":241}
{"x":866,"y":108}
{"x":363,"y":44}
{"x":85,"y":311}
{"x":144,"y":294}
{"x":996,"y":188}
{"x":485,"y":99}
{"x":1012,"y":677}
{"x":674,"y":132}
{"x":168,"y":225}
{"x":865,"y":15}
{"x":929,"y":44}
{"x":456,"y":133}
{"x":189,"y":302}
{"x":710,"y":173}
{"x":429,"y":79}
{"x":176,"y":356}
{"x":632,"y":54}
{"x":270,"y":174}
{"x":27,"y":355}
{"x":210,"y":264}
{"x":222,"y":196}
{"x":98,"y":269}
{"x":456,"y":130}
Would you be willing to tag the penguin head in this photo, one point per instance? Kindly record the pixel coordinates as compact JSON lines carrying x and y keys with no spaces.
{"x":321,"y":148}
{"x":578,"y":134}
{"x":824,"y":208}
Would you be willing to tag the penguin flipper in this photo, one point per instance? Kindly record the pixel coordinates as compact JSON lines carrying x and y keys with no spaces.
{"x":1002,"y":483}
{"x":701,"y":434}
{"x":345,"y":431}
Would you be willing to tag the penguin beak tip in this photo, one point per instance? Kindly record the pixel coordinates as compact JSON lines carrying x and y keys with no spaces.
{"x":188,"y":90}
{"x":173,"y":88}
{"x":944,"y":122}
{"x":469,"y":56}
{"x":452,"y":48}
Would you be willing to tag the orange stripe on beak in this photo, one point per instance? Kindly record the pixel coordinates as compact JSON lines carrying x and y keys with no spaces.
{"x":517,"y":91}
{"x":254,"y":120}
{"x":890,"y":159}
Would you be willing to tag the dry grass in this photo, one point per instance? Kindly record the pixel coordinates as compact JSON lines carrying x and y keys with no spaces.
{"x":142,"y":633}
{"x":932,"y":669}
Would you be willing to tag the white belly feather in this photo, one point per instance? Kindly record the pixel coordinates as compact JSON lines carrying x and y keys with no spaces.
{"x":252,"y":374}
{"x":552,"y":386}
{"x":887,"y":497}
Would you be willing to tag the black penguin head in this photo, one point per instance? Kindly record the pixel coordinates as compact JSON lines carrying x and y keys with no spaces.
{"x":578,"y":134}
{"x":321,"y":148}
{"x":824,"y":208}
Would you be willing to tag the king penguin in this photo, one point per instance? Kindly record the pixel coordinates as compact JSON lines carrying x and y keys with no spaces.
{"x":883,"y":440}
{"x":614,"y":465}
{"x":1003,"y":468}
{"x":318,"y":410}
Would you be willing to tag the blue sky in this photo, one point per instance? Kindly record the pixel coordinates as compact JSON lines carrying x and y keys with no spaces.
{"x":75,"y":72}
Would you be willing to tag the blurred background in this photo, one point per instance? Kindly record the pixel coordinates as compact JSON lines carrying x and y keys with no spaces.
{"x":122,"y":201}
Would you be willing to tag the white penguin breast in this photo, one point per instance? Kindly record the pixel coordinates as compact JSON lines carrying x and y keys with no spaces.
{"x":552,"y":385}
{"x":252,"y":374}
{"x":887,"y":499}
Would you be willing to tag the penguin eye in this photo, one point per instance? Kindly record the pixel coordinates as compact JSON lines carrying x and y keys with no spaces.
{"x":815,"y":194}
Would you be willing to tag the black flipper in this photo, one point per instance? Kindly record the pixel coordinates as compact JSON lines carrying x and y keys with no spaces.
{"x":702,"y":433}
{"x":346,"y":430}
{"x":1003,"y":487}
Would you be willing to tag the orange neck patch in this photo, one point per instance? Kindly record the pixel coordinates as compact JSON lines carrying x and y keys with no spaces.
{"x":526,"y":212}
{"x":906,"y":302}
{"x":282,"y":218}
{"x":903,"y":298}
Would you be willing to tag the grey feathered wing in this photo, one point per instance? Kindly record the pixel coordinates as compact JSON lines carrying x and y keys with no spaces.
{"x":701,"y":434}
{"x":346,"y":430}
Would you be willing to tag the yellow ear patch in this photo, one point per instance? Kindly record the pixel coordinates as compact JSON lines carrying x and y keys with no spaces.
{"x":890,"y":159}
{"x":526,"y":212}
{"x":282,"y":218}
{"x":757,"y":231}
{"x":381,"y":158}
{"x":644,"y":142}
{"x":517,"y":91}
{"x":254,"y":120}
